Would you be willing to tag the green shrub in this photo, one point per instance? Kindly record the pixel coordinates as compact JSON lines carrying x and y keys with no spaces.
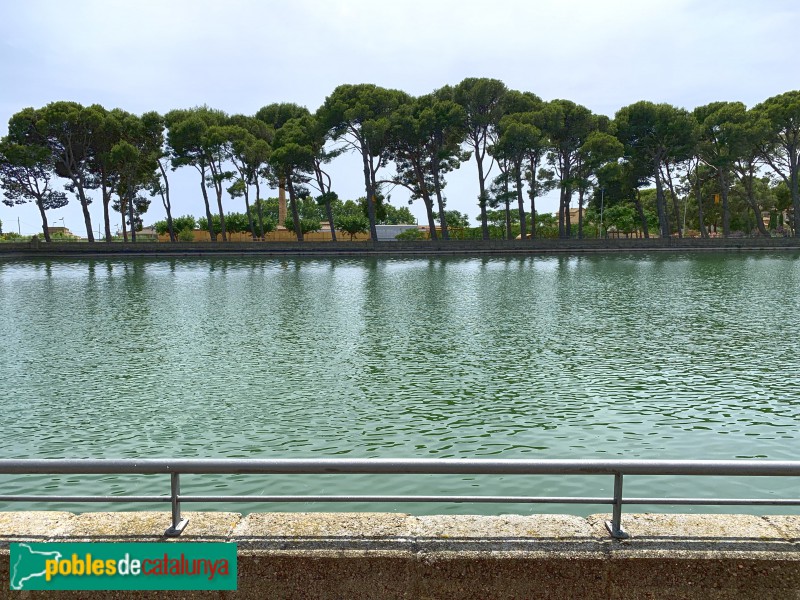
{"x":178,"y":224}
{"x":352,"y":224}
{"x":307,"y":225}
{"x":410,"y":235}
{"x":185,"y":235}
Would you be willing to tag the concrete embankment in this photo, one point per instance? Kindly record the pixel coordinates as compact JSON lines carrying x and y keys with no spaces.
{"x":352,"y":556}
{"x":419,"y":248}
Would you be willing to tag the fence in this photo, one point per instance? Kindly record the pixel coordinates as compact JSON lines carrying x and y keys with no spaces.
{"x":616,"y":468}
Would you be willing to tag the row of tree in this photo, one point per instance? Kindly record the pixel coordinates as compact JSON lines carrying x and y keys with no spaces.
{"x":412,"y":142}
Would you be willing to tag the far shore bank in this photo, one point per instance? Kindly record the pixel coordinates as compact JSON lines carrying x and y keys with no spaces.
{"x":40,"y":249}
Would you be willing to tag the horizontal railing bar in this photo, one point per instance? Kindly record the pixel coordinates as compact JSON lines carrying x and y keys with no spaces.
{"x":408,"y":499}
{"x":416,"y":466}
{"x":84,"y":498}
{"x":446,"y":499}
{"x":714,"y":501}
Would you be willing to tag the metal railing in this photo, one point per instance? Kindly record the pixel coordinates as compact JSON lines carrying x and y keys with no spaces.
{"x":416,"y":466}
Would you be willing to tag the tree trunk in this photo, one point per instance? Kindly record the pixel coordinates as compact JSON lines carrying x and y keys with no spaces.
{"x":329,"y":214}
{"x":295,"y":213}
{"x":426,"y":198}
{"x":532,"y":195}
{"x":45,"y":228}
{"x":726,"y":208}
{"x":167,"y":204}
{"x":281,"y":202}
{"x":130,"y":216}
{"x":216,"y":179}
{"x":211,"y":231}
{"x":249,"y":214}
{"x":700,"y":216}
{"x":324,"y":190}
{"x":523,"y":230}
{"x":259,"y":211}
{"x":751,"y":200}
{"x":580,"y":213}
{"x":482,"y":199}
{"x":122,"y":210}
{"x":794,"y":186}
{"x":567,"y":219}
{"x":675,"y":206}
{"x":642,"y":218}
{"x":373,"y":230}
{"x":484,"y":218}
{"x":106,"y":201}
{"x":431,"y":218}
{"x":221,"y":214}
{"x":87,"y":218}
{"x":508,"y":217}
{"x":663,"y":220}
{"x":437,"y":186}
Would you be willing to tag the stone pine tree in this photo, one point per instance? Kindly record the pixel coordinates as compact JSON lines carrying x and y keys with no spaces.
{"x":292,"y":158}
{"x":481,"y":100}
{"x":517,"y":136}
{"x":360,"y":116}
{"x":275,"y":116}
{"x":440,"y":125}
{"x":106,"y":135}
{"x":722,"y":142}
{"x":318,"y":137}
{"x":66,"y":130}
{"x":600,"y":149}
{"x":248,"y":151}
{"x":134,"y":160}
{"x":781,"y":148}
{"x":753,"y":130}
{"x":567,"y":126}
{"x":656,"y":134}
{"x":191,"y":143}
{"x":159,"y":184}
{"x":26,"y":175}
{"x":407,"y":148}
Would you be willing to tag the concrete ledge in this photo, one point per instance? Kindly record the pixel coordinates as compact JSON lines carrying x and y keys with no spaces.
{"x":377,"y":555}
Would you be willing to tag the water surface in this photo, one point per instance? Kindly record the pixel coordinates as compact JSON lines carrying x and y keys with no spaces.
{"x":641,"y":356}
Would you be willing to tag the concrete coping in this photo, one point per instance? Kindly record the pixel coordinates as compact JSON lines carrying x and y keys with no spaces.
{"x":651,"y":534}
{"x":363,"y":556}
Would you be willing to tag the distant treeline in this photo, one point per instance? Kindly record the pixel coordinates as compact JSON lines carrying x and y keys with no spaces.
{"x":720,"y":167}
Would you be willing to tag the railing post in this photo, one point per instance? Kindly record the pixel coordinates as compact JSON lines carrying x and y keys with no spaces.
{"x":614,"y":526}
{"x":178,"y":524}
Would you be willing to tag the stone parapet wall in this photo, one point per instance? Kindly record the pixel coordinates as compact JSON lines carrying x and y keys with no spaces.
{"x":352,"y":556}
{"x":395,"y":248}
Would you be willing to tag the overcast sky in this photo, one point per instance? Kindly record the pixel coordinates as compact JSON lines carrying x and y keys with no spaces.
{"x":239,"y":55}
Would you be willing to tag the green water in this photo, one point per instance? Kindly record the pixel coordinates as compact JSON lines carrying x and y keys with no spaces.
{"x":641,"y":356}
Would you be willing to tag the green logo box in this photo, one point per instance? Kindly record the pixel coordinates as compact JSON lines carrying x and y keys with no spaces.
{"x":122,"y":566}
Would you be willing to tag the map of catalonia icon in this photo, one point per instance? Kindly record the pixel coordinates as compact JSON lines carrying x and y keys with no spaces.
{"x":28,"y":564}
